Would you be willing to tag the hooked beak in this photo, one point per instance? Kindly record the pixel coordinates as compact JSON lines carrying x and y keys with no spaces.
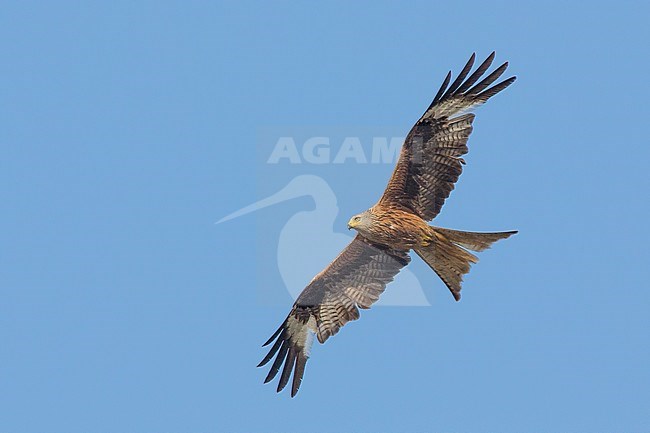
{"x":352,"y":224}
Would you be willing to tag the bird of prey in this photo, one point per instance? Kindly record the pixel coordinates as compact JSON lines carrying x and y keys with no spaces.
{"x":430,"y":163}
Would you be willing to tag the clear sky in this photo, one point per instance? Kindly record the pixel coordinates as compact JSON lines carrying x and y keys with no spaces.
{"x":128,"y":129}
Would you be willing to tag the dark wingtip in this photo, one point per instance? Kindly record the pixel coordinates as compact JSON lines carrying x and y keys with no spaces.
{"x":279,"y":359}
{"x":298,"y":372}
{"x":487,"y":94}
{"x":489,"y":59}
{"x":274,"y":349}
{"x":484,"y":66}
{"x":275,"y":334}
{"x":461,"y":76}
{"x":442,"y":89}
{"x":487,"y":81}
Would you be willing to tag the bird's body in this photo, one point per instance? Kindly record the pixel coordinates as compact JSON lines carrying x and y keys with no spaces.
{"x":429,"y":165}
{"x":392,"y":226}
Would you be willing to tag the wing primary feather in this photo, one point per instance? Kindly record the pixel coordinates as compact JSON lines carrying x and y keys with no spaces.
{"x":299,"y":371}
{"x":477,"y":74}
{"x":288,"y":367}
{"x":459,"y":79}
{"x":487,"y":94}
{"x":273,"y":350}
{"x":441,"y":90}
{"x":483,"y":84}
{"x":278,"y":361}
{"x":275,"y":334}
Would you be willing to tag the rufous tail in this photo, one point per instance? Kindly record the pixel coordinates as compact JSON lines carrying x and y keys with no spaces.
{"x":447,"y":253}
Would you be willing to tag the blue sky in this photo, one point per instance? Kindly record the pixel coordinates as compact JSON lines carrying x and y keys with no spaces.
{"x":127,"y":130}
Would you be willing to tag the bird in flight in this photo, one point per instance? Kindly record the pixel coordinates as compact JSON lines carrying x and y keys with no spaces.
{"x":429,"y":164}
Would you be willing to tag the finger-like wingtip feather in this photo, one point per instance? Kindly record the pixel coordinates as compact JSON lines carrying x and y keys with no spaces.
{"x":477,"y":74}
{"x":487,"y":94}
{"x":459,"y":80}
{"x":442,"y":89}
{"x":299,"y":371}
{"x":273,"y":350}
{"x":275,"y":334}
{"x":483,"y":84}
{"x":278,"y":362}
{"x":288,"y":368}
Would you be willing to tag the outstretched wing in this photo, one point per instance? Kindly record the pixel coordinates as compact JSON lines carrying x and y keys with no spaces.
{"x":430,"y":162}
{"x":354,"y":280}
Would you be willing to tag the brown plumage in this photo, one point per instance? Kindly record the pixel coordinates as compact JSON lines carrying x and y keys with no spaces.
{"x":429,"y":166}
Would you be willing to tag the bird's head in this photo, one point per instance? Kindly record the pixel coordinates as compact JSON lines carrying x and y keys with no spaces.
{"x":360,"y":222}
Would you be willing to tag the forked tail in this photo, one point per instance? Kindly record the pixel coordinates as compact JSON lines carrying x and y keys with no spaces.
{"x":447,"y":253}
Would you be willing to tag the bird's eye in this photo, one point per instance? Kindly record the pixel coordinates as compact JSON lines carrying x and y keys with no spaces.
{"x":357,"y":219}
